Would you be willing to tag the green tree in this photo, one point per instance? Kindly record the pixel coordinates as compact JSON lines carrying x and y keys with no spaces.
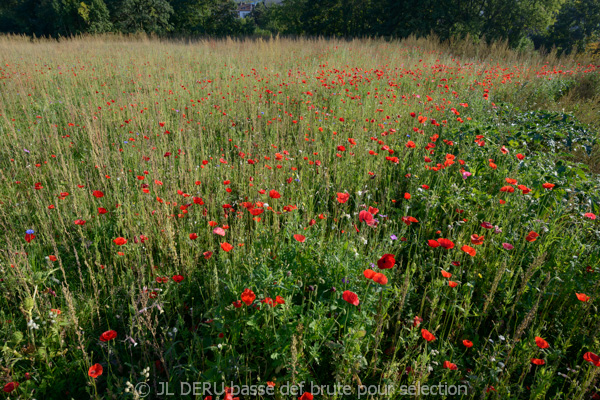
{"x":515,"y":20}
{"x":187,"y":14}
{"x":577,"y":24}
{"x":219,"y":19}
{"x":98,"y":20}
{"x":151,"y":16}
{"x":55,"y":17}
{"x":206,"y":17}
{"x":305,"y":17}
{"x":492,"y":19}
{"x":14,"y":17}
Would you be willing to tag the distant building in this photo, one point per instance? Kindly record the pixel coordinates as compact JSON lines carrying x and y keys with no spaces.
{"x":244,"y":9}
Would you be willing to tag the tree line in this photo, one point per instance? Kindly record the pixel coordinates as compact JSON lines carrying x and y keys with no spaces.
{"x":565,"y":24}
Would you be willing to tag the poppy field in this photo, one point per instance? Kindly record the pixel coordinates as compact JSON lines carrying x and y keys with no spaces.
{"x":275,"y":212}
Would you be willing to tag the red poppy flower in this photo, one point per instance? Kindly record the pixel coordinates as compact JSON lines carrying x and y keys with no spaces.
{"x":120,"y":241}
{"x":548,"y":186}
{"x":193,"y":236}
{"x":237,"y":304}
{"x":467,"y":343}
{"x":520,"y":156}
{"x":591,"y":216}
{"x":469,"y":250}
{"x":108,"y":335}
{"x":307,"y":395}
{"x":407,"y":196}
{"x":300,"y":238}
{"x":582,"y":297}
{"x":433,"y":243}
{"x":351,"y":297}
{"x":226,"y":247}
{"x":386,"y":261}
{"x":207,"y":254}
{"x":279,"y":300}
{"x":367,"y":217}
{"x":427,"y":335}
{"x":452,"y":284}
{"x":52,"y":258}
{"x":95,"y":370}
{"x":256,"y":211}
{"x":10,"y":386}
{"x":274,"y":194}
{"x":98,"y":194}
{"x":177,"y":278}
{"x":417,"y":321}
{"x":446,"y":274}
{"x":342,"y":197}
{"x":538,"y":361}
{"x":524,"y":189}
{"x":219,"y":231}
{"x":380,"y":278}
{"x":592,"y":358}
{"x":79,"y":222}
{"x":248,"y":296}
{"x":373,"y":210}
{"x":409,"y":220}
{"x":369,"y":273}
{"x":268,"y":300}
{"x":476,"y":239}
{"x":532,"y":236}
{"x":446,"y":243}
{"x":450,"y":366}
{"x":102,"y":210}
{"x":541,"y":343}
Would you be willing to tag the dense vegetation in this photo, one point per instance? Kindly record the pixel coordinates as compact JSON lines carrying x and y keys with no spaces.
{"x":568,"y":25}
{"x":276,"y":212}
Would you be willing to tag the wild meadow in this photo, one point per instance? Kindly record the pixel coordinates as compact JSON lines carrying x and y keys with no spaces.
{"x":364,"y":213}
